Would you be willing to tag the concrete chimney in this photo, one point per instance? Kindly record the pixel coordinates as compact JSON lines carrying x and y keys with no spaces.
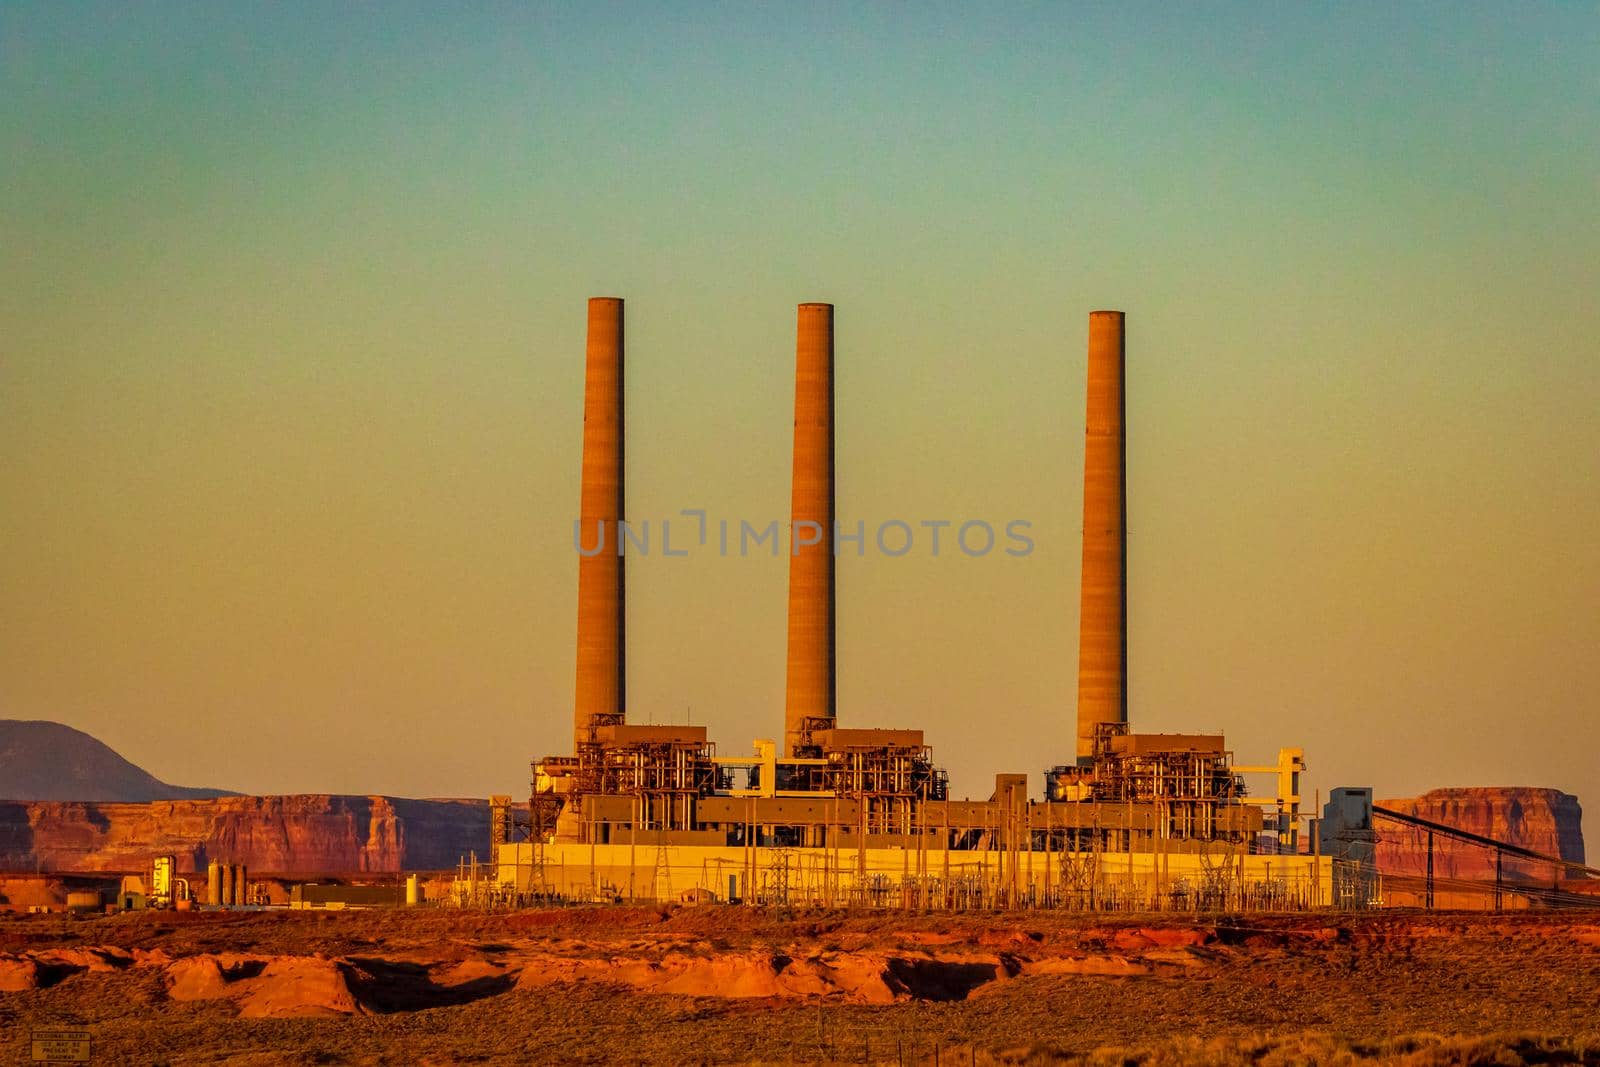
{"x":601,"y":686}
{"x":810,"y":689}
{"x":1103,"y":614}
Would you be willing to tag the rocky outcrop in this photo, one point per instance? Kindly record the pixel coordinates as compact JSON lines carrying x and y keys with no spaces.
{"x":281,"y":987}
{"x":286,"y":986}
{"x":1544,"y":820}
{"x":306,"y":834}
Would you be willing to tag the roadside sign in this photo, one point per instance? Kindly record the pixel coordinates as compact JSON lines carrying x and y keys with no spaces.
{"x":61,"y":1046}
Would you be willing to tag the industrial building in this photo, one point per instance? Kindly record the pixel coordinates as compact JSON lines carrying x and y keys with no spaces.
{"x":838,"y":813}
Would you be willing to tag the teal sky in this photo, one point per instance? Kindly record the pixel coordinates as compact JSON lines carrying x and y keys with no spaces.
{"x":291,"y":335}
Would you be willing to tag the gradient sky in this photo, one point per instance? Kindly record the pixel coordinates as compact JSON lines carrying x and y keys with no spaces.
{"x":291,"y":338}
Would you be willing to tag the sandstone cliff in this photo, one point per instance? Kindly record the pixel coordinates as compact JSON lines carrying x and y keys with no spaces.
{"x":306,"y":834}
{"x":1544,"y":820}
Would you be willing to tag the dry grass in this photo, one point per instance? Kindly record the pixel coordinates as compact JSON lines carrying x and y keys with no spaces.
{"x":1467,"y":989}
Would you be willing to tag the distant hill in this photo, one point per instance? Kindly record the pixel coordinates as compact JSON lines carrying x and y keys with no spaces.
{"x":48,"y":761}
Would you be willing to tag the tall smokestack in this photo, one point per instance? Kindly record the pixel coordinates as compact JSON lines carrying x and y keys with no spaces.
{"x":601,"y":668}
{"x":1103,"y":614}
{"x":810,"y":690}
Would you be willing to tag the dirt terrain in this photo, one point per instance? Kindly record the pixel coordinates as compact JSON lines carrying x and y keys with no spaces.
{"x":726,"y":985}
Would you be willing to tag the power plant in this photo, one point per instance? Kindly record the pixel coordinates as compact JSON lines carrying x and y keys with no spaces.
{"x":856,"y":813}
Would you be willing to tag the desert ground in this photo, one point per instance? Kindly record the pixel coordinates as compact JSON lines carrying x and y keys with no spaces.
{"x":714,"y":985}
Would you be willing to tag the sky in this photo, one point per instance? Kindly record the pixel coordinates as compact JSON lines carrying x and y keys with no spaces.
{"x":291,"y":374}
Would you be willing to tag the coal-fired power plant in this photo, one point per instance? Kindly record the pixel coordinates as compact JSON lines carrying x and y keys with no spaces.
{"x":861,"y":815}
{"x":602,"y":672}
{"x":1103,"y":587}
{"x":810,"y":689}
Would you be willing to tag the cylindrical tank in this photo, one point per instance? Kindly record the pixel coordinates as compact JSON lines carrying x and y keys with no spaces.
{"x":214,"y":883}
{"x":83,"y":900}
{"x":602,"y":681}
{"x":241,"y":885}
{"x":809,"y":689}
{"x":413,"y":890}
{"x":227,"y":883}
{"x":1103,"y":588}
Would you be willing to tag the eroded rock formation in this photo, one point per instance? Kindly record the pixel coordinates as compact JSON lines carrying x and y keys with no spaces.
{"x":1544,"y":820}
{"x":281,"y":834}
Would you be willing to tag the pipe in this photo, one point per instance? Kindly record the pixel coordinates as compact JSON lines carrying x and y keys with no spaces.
{"x":810,"y":688}
{"x":601,"y":682}
{"x":1103,"y":605}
